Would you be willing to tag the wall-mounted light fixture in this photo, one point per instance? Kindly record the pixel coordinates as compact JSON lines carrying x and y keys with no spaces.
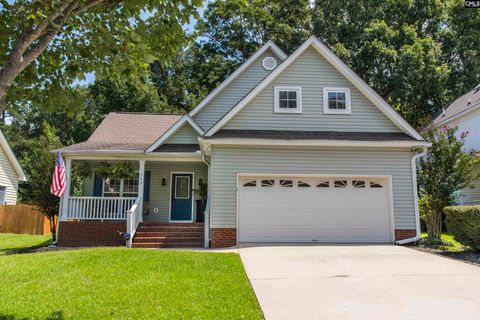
{"x":164,"y":181}
{"x":200,"y":181}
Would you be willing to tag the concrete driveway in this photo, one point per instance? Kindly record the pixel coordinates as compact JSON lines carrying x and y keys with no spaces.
{"x":360,"y":282}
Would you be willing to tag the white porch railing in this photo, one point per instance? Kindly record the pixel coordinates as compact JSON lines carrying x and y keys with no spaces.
{"x":98,"y":208}
{"x":134,"y":217}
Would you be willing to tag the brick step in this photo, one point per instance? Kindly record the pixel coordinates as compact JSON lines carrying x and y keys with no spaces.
{"x":168,"y":234}
{"x":168,"y":239}
{"x":174,"y":224}
{"x":167,"y":244}
{"x":169,"y":229}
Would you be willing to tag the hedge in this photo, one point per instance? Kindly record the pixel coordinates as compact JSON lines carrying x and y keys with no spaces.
{"x":463,"y":222}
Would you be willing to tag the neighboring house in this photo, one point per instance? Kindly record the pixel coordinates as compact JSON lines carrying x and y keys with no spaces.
{"x":464,"y":113}
{"x":293,"y":149}
{"x":10,"y":173}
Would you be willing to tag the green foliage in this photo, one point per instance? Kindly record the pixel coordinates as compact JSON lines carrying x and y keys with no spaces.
{"x":445,"y":169}
{"x":112,"y":39}
{"x":82,"y":169}
{"x":464,"y":223}
{"x":104,"y":170}
{"x":123,"y":170}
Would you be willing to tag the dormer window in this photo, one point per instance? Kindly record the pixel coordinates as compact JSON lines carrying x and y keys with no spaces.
{"x":288,"y":100}
{"x":336,"y":101}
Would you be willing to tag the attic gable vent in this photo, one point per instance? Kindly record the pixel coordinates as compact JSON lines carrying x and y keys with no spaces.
{"x":269,"y":63}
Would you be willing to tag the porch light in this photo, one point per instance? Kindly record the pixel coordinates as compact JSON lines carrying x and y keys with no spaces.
{"x":164,"y":181}
{"x":200,"y":181}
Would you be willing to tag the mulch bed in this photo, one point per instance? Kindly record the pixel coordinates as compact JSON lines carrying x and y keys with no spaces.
{"x":471,"y":257}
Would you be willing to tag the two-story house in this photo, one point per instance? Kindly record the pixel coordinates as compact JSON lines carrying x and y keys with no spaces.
{"x":292,"y":148}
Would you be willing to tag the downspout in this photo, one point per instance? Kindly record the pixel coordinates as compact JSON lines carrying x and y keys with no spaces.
{"x":207,"y":205}
{"x":415,"y":196}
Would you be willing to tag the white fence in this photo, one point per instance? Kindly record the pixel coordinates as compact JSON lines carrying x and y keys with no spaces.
{"x":98,"y":208}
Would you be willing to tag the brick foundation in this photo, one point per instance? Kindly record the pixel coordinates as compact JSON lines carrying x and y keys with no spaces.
{"x":91,"y":233}
{"x":401,"y":234}
{"x":223,"y":237}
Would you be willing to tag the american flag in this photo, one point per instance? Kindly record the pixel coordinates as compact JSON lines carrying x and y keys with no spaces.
{"x":58,"y":180}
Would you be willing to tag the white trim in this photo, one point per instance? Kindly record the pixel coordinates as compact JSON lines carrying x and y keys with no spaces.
{"x":415,"y":197}
{"x":269,"y":45}
{"x":276,"y":99}
{"x":265,"y":60}
{"x":179,"y":124}
{"x":388,"y":178}
{"x":170,"y":196}
{"x":11,"y":156}
{"x":348,"y":104}
{"x":315,"y":143}
{"x":157,"y":156}
{"x":342,"y":68}
{"x":459,"y":116}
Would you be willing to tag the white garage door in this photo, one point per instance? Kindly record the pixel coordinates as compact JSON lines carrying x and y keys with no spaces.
{"x":293,"y":209}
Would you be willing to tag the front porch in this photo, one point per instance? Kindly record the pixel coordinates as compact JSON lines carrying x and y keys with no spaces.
{"x":162,"y":205}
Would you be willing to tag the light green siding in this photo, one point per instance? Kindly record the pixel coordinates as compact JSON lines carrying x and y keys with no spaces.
{"x":160,"y":195}
{"x":471,"y":195}
{"x":312,"y":72}
{"x":227,"y":162}
{"x":184,"y":135}
{"x":233,"y":93}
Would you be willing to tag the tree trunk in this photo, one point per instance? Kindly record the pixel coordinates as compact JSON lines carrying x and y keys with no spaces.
{"x":434,"y":223}
{"x":53,"y":227}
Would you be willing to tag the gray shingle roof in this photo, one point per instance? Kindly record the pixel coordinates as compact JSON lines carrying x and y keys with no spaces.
{"x":126,"y":132}
{"x":313,"y":135}
{"x":461,"y":105}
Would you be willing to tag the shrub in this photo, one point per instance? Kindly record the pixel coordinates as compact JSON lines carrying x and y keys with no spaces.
{"x":463,"y":222}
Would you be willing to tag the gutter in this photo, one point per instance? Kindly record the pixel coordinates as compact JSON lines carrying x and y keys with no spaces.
{"x":415,"y":195}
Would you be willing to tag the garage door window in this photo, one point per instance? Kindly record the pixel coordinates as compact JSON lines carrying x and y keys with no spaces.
{"x":340,"y":184}
{"x":324,"y":184}
{"x":286,"y":183}
{"x":358,"y":184}
{"x":252,"y":183}
{"x":268,"y":183}
{"x":374,"y":184}
{"x":302,"y":184}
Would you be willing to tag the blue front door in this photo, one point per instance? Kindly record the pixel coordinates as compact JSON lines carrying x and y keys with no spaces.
{"x":181,"y":207}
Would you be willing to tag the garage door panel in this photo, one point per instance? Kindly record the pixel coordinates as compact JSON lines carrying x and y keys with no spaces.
{"x":310,"y":214}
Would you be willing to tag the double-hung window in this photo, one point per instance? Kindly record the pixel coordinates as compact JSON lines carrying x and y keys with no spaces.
{"x":336,"y":101}
{"x":114,"y":187}
{"x":287,"y":99}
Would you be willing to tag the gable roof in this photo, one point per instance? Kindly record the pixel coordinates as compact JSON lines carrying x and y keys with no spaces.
{"x":126,"y":132}
{"x":465,"y":104}
{"x":341,"y":67}
{"x":269,"y":45}
{"x":11,"y":157}
{"x":167,"y":134}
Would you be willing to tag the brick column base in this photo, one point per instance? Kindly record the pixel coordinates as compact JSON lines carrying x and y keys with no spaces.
{"x":91,"y":233}
{"x":223,"y":237}
{"x":401,"y":234}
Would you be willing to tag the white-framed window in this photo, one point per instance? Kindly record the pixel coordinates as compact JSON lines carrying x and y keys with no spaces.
{"x":114,"y":187}
{"x":269,"y":63}
{"x":287,"y":99}
{"x":336,"y":101}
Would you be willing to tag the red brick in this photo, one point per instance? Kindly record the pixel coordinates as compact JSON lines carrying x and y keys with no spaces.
{"x":401,"y":234}
{"x":223,"y":237}
{"x":91,"y":233}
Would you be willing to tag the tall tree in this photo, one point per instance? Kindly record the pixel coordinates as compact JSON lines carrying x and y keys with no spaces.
{"x":68,"y":38}
{"x":445,"y":169}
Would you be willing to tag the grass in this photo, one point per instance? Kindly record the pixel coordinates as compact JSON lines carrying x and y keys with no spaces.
{"x":11,"y":243}
{"x":120,"y":283}
{"x":454,"y":245}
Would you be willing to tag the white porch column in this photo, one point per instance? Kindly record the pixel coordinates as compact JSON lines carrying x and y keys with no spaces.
{"x":64,"y":202}
{"x":141,"y":186}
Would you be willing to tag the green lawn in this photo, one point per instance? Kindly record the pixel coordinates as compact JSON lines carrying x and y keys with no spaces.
{"x":455,"y":245}
{"x":10,"y":243}
{"x":120,"y":283}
